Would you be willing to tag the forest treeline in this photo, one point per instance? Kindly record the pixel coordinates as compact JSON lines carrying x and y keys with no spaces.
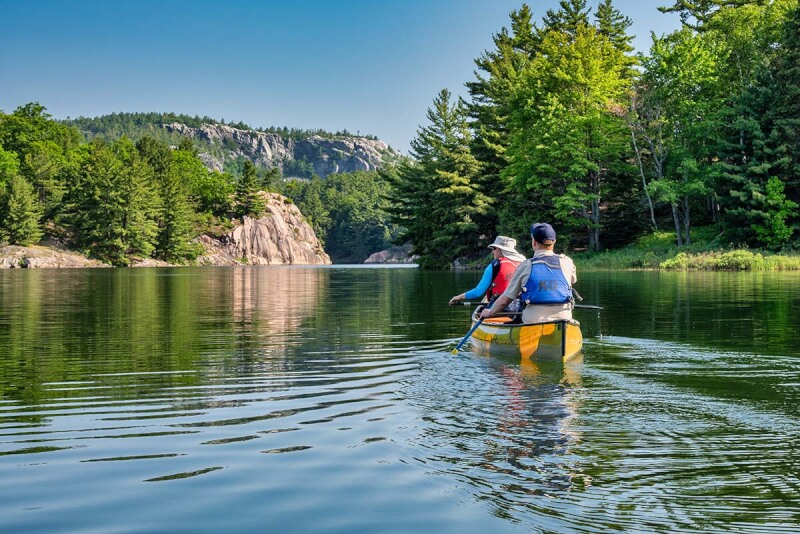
{"x":121,"y":200}
{"x":565,"y":123}
{"x":135,"y":125}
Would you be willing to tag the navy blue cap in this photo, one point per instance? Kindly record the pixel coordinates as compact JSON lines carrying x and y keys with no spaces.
{"x":543,"y":233}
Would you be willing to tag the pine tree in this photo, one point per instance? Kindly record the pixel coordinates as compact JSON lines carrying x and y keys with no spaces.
{"x":784,"y":111}
{"x":20,"y":213}
{"x":249,"y":201}
{"x":499,"y":71}
{"x":571,"y":15}
{"x":113,"y":207}
{"x":437,"y":198}
{"x":612,"y":24}
{"x":141,"y":202}
{"x":175,"y":218}
{"x":757,"y":171}
{"x":702,"y":11}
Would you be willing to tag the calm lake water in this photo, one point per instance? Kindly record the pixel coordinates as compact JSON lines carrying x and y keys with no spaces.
{"x":300,"y":399}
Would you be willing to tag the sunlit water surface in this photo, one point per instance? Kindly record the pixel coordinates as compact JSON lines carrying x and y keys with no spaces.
{"x":301,"y":399}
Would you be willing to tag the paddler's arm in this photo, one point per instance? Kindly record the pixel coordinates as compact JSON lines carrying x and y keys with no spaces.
{"x":498,"y":305}
{"x":478,"y":291}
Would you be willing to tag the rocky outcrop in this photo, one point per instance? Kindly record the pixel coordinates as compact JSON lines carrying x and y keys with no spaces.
{"x":41,"y":257}
{"x":279,"y":237}
{"x":326,"y":155}
{"x":393,"y":255}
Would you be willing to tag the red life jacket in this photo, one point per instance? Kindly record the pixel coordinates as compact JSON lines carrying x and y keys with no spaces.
{"x":502,"y":271}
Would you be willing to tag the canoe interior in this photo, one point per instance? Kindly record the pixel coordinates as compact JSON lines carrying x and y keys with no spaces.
{"x":557,"y":340}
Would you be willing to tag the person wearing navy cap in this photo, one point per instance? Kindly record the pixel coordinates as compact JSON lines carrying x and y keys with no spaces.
{"x":543,"y":282}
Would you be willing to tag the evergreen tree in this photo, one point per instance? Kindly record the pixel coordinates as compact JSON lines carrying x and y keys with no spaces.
{"x":783,"y":115}
{"x":612,"y":24}
{"x":359,"y":223}
{"x":311,"y":199}
{"x":571,"y":15}
{"x":141,"y":202}
{"x":176,"y":221}
{"x":249,"y":201}
{"x":19,"y":212}
{"x":489,"y":110}
{"x":437,"y":198}
{"x":175,"y":218}
{"x":702,"y":11}
{"x":113,"y":207}
{"x":270,"y":179}
{"x":187,"y":145}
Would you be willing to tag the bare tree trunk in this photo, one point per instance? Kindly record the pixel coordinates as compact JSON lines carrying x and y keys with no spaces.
{"x":686,"y":222}
{"x":594,"y":237}
{"x":644,"y":180}
{"x":676,"y":218}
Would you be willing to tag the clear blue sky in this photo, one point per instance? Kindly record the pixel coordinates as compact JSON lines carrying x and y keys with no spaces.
{"x":370,"y":66}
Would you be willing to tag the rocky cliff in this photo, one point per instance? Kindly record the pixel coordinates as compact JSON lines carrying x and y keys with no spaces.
{"x":279,"y":237}
{"x":326,"y":155}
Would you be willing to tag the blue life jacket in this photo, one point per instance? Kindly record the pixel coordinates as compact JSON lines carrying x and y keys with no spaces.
{"x":547,"y":283}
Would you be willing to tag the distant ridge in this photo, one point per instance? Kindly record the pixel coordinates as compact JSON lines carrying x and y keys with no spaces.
{"x":224,"y":147}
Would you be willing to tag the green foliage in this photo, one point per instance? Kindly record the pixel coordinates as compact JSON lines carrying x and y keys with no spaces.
{"x":210,"y":191}
{"x":298,"y":168}
{"x":734,"y":260}
{"x":175,"y":218}
{"x":136,"y":125}
{"x":774,"y":231}
{"x":559,"y":127}
{"x":348,"y":212}
{"x":9,"y":166}
{"x":757,"y":171}
{"x":249,"y":201}
{"x":567,"y":131}
{"x":437,"y":200}
{"x":359,"y":223}
{"x":46,"y":151}
{"x":19,"y":212}
{"x":311,"y":200}
{"x":114,"y":205}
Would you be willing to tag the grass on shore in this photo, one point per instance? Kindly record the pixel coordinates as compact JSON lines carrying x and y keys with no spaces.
{"x":659,"y":251}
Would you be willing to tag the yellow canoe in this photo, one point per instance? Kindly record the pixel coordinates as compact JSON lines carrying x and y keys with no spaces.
{"x":557,"y":340}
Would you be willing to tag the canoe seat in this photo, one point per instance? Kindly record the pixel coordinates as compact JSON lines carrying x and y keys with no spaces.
{"x":498,"y":320}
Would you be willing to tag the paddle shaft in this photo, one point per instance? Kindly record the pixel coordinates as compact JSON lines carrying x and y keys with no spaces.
{"x":464,"y":340}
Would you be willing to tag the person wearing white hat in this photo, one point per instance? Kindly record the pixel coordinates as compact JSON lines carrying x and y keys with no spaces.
{"x":497,"y":274}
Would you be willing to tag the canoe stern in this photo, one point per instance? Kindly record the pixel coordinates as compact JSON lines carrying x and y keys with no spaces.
{"x":558,"y":340}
